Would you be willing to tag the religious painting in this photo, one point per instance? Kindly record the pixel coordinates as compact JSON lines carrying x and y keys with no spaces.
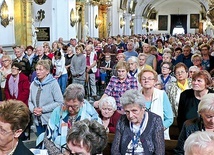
{"x":194,"y":21}
{"x":162,"y":22}
{"x":123,"y":4}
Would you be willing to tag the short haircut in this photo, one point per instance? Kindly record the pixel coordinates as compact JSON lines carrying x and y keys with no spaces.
{"x":194,"y":67}
{"x":206,"y":103}
{"x":148,"y":70}
{"x":199,"y":139}
{"x":153,"y":48}
{"x":142,"y":54}
{"x":16,"y":113}
{"x":89,"y":134}
{"x":196,"y":55}
{"x":167,"y":50}
{"x":17,"y":64}
{"x":79,"y":47}
{"x":167,"y":54}
{"x":205,"y":45}
{"x":187,"y":46}
{"x":122,"y":64}
{"x":45,"y":63}
{"x":6,"y":57}
{"x":169,"y":64}
{"x":180,"y":64}
{"x":204,"y":75}
{"x":74,"y":91}
{"x":134,"y":59}
{"x":110,"y":102}
{"x":178,"y":49}
{"x":132,"y":96}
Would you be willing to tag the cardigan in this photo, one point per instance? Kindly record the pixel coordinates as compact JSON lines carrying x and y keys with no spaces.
{"x":188,"y":106}
{"x":113,"y":121}
{"x":152,"y":138}
{"x":190,"y":126}
{"x":160,"y":105}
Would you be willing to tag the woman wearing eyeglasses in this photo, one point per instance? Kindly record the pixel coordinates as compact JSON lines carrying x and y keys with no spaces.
{"x":176,"y":88}
{"x":156,"y":100}
{"x":14,"y":118}
{"x":74,"y":109}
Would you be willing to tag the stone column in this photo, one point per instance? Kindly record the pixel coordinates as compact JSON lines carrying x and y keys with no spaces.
{"x":138,"y":24}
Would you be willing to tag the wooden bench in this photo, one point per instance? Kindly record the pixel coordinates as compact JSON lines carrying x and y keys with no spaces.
{"x":169,"y":145}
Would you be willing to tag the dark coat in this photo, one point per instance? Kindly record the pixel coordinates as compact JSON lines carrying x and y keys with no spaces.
{"x":21,"y":149}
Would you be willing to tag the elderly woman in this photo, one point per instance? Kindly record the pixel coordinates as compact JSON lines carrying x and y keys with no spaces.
{"x":156,"y":100}
{"x":17,"y":85}
{"x":189,"y":99}
{"x":192,"y":70}
{"x":119,"y":84}
{"x":45,"y":95}
{"x":203,"y":123}
{"x":108,"y":113}
{"x":14,"y":118}
{"x":199,"y":143}
{"x":165,"y":78}
{"x":4,"y":71}
{"x":78,"y":141}
{"x":142,"y":62}
{"x":139,"y":131}
{"x":176,"y":88}
{"x":74,"y":109}
{"x":197,"y":60}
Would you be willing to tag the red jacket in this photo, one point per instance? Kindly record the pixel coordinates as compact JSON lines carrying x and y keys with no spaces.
{"x":23,"y":86}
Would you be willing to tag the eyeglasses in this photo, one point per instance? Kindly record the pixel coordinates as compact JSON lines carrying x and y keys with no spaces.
{"x":4,"y":132}
{"x":15,"y":68}
{"x":69,"y":152}
{"x":5,"y":61}
{"x":165,"y":67}
{"x":181,"y":72}
{"x":74,"y":107}
{"x":147,"y":79}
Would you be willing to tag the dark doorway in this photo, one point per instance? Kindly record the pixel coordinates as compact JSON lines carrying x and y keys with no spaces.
{"x":175,"y":19}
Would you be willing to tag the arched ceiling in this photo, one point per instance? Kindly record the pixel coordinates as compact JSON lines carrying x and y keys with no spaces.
{"x":145,"y":6}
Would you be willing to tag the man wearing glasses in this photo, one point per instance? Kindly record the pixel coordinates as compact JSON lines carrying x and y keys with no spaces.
{"x":74,"y":109}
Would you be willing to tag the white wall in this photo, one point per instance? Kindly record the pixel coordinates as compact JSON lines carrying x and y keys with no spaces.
{"x":7,"y":36}
{"x":176,"y":7}
{"x":57,"y":17}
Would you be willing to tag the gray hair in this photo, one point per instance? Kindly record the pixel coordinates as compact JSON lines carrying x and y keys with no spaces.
{"x":199,"y":139}
{"x":142,"y":54}
{"x":194,"y":67}
{"x":110,"y":102}
{"x":74,"y":91}
{"x":132,"y":96}
{"x":206,"y":103}
{"x":90,"y":134}
{"x":134,"y":59}
{"x":45,"y":63}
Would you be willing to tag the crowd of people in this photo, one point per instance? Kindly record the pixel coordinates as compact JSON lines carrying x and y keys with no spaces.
{"x":148,"y":81}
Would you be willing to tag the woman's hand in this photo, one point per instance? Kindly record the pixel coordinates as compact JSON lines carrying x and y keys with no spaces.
{"x":37,"y":111}
{"x":96,"y":104}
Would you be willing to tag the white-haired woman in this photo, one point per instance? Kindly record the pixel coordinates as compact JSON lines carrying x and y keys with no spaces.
{"x":139,"y":131}
{"x":108,"y":113}
{"x":200,"y":143}
{"x":203,"y":123}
